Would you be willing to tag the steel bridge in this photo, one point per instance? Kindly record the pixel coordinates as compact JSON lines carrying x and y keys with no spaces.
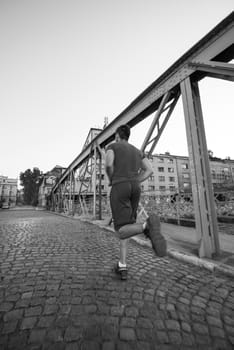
{"x":210,"y":57}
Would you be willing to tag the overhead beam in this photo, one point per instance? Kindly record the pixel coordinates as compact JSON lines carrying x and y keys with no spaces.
{"x":219,"y":42}
{"x":215,"y":69}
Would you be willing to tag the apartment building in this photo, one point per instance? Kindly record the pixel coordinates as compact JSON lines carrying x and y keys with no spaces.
{"x":171,"y":173}
{"x":164,"y":179}
{"x":8,"y":191}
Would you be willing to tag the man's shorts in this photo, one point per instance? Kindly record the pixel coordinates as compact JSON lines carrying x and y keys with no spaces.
{"x":124,"y":200}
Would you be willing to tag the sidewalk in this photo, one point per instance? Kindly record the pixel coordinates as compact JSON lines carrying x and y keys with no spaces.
{"x":182,"y":245}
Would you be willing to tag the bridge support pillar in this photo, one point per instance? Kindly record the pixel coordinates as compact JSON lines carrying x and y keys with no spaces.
{"x":203,"y":197}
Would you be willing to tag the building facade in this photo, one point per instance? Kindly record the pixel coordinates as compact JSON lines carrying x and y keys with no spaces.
{"x":8,"y":192}
{"x":49,"y":180}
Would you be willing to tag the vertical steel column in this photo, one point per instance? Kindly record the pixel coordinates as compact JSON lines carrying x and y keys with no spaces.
{"x":70,"y":194}
{"x":203,"y":197}
{"x":100,"y":185}
{"x":94,"y":181}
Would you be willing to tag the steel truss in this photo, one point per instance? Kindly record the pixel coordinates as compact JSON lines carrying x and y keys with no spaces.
{"x":208,"y":58}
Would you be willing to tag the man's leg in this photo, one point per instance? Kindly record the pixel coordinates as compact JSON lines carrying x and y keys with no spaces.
{"x":123,"y":251}
{"x":130,"y":230}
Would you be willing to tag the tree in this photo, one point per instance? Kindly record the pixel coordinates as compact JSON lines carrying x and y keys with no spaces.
{"x":31,"y":181}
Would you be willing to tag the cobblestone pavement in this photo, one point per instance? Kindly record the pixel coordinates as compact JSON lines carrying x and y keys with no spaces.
{"x":58,"y":291}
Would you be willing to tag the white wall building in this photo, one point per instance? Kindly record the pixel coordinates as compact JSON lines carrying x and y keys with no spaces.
{"x":8,"y":191}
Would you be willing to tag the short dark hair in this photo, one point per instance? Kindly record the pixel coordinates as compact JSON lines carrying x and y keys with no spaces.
{"x":123,"y":131}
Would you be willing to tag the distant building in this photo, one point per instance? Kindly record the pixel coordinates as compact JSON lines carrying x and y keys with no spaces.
{"x":8,"y":192}
{"x":49,"y":180}
{"x":171,"y":173}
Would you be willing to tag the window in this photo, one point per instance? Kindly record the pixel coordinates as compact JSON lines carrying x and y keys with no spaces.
{"x":185,"y":166}
{"x":151,"y":188}
{"x":171,"y":170}
{"x":172,"y":188}
{"x":186,"y":185}
{"x":171,"y":179}
{"x":161,"y":169}
{"x":161,"y":178}
{"x":186,"y":176}
{"x":151,"y":178}
{"x":170,"y":160}
{"x":162,"y":188}
{"x":161,"y":160}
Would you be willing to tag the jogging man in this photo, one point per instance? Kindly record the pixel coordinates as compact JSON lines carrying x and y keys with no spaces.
{"x":126,"y":167}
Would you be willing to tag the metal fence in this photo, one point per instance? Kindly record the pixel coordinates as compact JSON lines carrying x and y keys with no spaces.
{"x":175,"y":207}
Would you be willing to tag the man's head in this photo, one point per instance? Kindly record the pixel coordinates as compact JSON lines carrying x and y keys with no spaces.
{"x":122,"y":133}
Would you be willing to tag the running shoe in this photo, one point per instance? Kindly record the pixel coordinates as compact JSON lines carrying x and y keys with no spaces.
{"x":121,"y":271}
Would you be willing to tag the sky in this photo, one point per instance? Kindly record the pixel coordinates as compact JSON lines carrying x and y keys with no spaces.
{"x":65,"y":65}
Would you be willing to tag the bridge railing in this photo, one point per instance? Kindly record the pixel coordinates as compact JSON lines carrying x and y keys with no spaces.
{"x":173,"y":207}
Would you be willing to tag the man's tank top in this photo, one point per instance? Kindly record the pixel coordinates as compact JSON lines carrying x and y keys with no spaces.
{"x":127,"y":162}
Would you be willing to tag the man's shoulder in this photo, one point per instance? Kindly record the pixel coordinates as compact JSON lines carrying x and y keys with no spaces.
{"x":124,"y":146}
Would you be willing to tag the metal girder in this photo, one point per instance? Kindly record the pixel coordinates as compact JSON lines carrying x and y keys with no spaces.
{"x":203,"y":197}
{"x":218,"y":45}
{"x":152,"y":141}
{"x":215,"y":69}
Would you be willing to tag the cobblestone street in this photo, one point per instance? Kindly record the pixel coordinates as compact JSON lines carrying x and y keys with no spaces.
{"x":58,"y":291}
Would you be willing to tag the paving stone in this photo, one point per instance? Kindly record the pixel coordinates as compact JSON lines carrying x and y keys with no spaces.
{"x":122,"y":345}
{"x":144,"y":334}
{"x":162,"y":337}
{"x":13,"y":315}
{"x":18,"y":341}
{"x":72,"y":346}
{"x":72,"y":334}
{"x":117,"y":310}
{"x":131,"y":311}
{"x":9,"y":327}
{"x":175,"y":337}
{"x":144,"y":323}
{"x":172,"y":325}
{"x":28,"y":322}
{"x":55,"y":335}
{"x":37,"y":336}
{"x":200,"y":328}
{"x":33,"y":311}
{"x":90,"y":345}
{"x":50,"y":309}
{"x":217,"y":332}
{"x":186,"y":327}
{"x":128,"y":322}
{"x":108,"y":345}
{"x":109,"y":332}
{"x":6,"y":306}
{"x":213,"y":321}
{"x":46,"y":321}
{"x":127,"y":334}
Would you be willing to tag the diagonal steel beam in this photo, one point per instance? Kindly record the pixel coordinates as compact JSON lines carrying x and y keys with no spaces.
{"x":156,"y":122}
{"x":215,"y":69}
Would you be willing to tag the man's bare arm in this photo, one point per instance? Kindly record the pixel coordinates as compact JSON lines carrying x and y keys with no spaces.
{"x":146,"y":170}
{"x":109,"y":164}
